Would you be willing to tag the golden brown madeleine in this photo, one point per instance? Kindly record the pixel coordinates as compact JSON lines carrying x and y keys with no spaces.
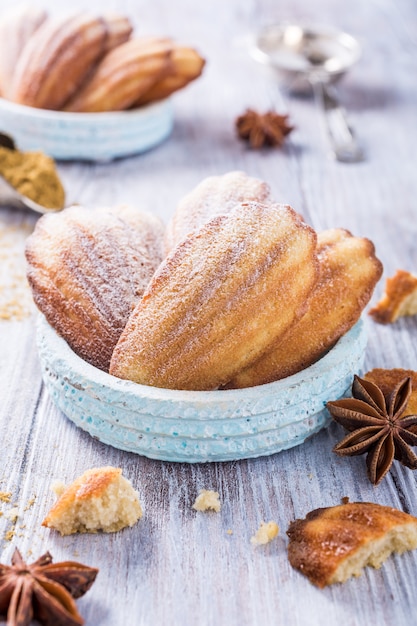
{"x":16,"y":27}
{"x":223,"y":295}
{"x":349,"y":271}
{"x":119,"y":30}
{"x":332,"y":544}
{"x":56,"y":60}
{"x":187,"y":65}
{"x":215,"y":195}
{"x":123,"y":75}
{"x":88,"y":269}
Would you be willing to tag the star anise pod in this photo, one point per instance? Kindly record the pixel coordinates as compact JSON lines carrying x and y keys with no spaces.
{"x":377,"y":426}
{"x":43,"y":590}
{"x":263,"y":129}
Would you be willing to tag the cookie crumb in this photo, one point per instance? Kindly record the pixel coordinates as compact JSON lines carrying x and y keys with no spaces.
{"x":30,"y":503}
{"x":58,"y":487}
{"x":10,"y":534}
{"x":207,"y":500}
{"x":266,"y":532}
{"x":5,"y":496}
{"x":12,"y":514}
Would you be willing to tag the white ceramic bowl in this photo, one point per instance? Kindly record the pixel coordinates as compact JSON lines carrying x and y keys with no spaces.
{"x":87,"y":136}
{"x":198,"y":426}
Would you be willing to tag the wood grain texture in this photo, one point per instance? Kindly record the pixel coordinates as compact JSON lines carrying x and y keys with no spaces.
{"x":178,"y":566}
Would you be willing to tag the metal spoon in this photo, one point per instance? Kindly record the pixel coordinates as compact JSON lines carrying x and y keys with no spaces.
{"x":9,"y":196}
{"x":305,"y":58}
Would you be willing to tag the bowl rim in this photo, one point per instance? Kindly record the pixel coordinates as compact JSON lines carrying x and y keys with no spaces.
{"x":197,"y":426}
{"x":107,"y":381}
{"x":69,"y":116}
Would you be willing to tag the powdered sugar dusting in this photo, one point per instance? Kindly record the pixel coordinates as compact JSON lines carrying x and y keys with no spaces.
{"x":215,"y":195}
{"x":88,"y":269}
{"x":348,"y":273}
{"x":221,"y":297}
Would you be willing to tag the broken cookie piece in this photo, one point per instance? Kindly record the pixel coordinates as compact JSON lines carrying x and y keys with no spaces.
{"x":399,"y":299}
{"x":388,"y":379}
{"x":332,"y":544}
{"x":101,"y":499}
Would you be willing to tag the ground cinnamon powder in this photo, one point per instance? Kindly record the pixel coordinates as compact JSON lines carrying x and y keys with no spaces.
{"x":34,"y":175}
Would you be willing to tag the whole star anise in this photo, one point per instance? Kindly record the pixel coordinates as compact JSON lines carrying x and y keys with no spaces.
{"x":377,"y":426}
{"x":263,"y":129}
{"x":43,"y":590}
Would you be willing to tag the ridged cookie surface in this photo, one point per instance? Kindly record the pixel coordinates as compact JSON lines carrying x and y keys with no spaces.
{"x":124,"y":75}
{"x":215,"y":195}
{"x":119,"y":30}
{"x":88,"y":269}
{"x":57,"y":58}
{"x":186,"y":66}
{"x":223,"y":295}
{"x":348,"y":273}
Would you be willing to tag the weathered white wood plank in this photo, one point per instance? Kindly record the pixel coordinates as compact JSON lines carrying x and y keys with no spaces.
{"x":177,"y":566}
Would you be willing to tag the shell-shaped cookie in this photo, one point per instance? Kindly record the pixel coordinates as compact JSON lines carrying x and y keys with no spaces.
{"x":223,"y":295}
{"x":88,"y":269}
{"x":348,"y":273}
{"x":123,"y":75}
{"x":215,"y":195}
{"x":57,"y":58}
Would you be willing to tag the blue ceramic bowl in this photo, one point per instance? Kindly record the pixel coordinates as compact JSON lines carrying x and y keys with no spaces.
{"x":198,"y":426}
{"x":87,"y":136}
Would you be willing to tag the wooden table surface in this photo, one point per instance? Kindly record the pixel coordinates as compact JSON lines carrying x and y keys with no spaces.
{"x":177,"y":566}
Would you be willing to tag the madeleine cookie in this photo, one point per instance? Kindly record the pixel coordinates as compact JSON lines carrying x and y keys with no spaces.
{"x":222,"y":297}
{"x":124,"y":75}
{"x":186,"y":66}
{"x":348,"y":273}
{"x":215,"y":195}
{"x":88,"y":269}
{"x":56,"y":60}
